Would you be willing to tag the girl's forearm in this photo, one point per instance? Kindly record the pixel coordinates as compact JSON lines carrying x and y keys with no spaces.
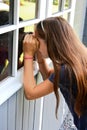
{"x":44,"y":68}
{"x":29,"y":81}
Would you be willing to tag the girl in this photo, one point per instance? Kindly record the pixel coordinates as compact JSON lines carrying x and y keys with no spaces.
{"x":55,"y":38}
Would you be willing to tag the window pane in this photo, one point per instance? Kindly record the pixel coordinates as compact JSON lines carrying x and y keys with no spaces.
{"x":5,"y":55}
{"x":27,"y":9}
{"x":67,"y":4}
{"x":56,"y":6}
{"x":4,"y":12}
{"x":22,"y":32}
{"x":66,"y":16}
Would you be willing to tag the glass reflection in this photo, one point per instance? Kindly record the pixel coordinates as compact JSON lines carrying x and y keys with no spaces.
{"x":27,"y":9}
{"x":4,"y":12}
{"x":66,"y":16}
{"x":67,"y":4}
{"x":55,"y":6}
{"x":22,"y":33}
{"x":20,"y":55}
{"x":4,"y":62}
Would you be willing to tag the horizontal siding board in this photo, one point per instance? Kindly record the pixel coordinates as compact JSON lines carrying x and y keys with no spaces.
{"x":25,"y":114}
{"x":49,"y":112}
{"x":38,"y":114}
{"x":31,"y":115}
{"x":38,"y":108}
{"x":19,"y":109}
{"x":12,"y":112}
{"x":3,"y":116}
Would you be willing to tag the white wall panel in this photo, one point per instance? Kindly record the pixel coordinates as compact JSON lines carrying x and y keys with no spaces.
{"x":49,"y":119}
{"x":19,"y":109}
{"x":3,"y":117}
{"x":11,"y":109}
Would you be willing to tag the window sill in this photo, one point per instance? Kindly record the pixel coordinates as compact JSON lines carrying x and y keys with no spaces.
{"x":11,"y":85}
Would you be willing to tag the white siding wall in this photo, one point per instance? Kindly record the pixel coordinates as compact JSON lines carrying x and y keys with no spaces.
{"x":17,"y":113}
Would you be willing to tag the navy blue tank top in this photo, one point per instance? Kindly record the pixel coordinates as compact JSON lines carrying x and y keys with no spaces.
{"x":64,"y":85}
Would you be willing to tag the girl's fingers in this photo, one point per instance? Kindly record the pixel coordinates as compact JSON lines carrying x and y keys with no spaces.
{"x":27,"y":38}
{"x":31,"y":43}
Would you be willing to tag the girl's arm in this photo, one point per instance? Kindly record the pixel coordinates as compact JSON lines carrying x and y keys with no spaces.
{"x":33,"y":91}
{"x":43,"y":66}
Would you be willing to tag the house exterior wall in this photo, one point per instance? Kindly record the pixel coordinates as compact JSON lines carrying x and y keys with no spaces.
{"x":79,"y":17}
{"x":85,"y":29}
{"x":17,"y":113}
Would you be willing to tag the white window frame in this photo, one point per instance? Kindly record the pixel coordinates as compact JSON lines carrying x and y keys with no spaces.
{"x":11,"y":85}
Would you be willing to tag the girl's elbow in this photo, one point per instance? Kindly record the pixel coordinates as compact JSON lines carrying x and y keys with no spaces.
{"x":28,"y":96}
{"x":28,"y":93}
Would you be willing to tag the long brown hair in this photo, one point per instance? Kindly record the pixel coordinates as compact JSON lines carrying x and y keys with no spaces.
{"x":63,"y":46}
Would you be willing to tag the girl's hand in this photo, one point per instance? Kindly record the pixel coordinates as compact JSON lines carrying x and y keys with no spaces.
{"x":39,"y":56}
{"x":30,"y":45}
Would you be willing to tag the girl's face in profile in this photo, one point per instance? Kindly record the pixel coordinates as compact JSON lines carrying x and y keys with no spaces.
{"x":43,"y":48}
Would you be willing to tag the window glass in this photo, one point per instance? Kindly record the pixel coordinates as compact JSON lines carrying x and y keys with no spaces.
{"x":55,"y":6}
{"x":66,"y":16}
{"x":4,"y":12}
{"x":67,"y":4}
{"x":5,"y":55}
{"x":22,"y":33}
{"x":27,"y":9}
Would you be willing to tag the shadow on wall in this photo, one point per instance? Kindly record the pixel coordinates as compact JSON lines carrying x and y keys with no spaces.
{"x":85,"y":30}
